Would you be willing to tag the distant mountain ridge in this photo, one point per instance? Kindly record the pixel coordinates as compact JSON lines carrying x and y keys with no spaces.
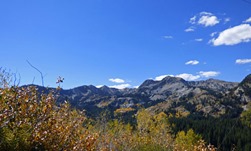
{"x":171,"y":94}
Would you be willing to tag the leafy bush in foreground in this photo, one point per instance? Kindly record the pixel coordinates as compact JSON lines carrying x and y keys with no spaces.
{"x":30,"y":120}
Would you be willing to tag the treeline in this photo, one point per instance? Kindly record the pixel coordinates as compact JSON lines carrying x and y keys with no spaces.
{"x":226,"y":134}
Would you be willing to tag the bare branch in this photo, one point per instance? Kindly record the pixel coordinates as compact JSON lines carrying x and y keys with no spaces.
{"x":16,"y":79}
{"x":5,"y":78}
{"x":33,"y":80}
{"x":42,"y":76}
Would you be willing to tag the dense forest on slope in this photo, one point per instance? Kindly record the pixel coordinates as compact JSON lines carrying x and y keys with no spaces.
{"x":225,"y":133}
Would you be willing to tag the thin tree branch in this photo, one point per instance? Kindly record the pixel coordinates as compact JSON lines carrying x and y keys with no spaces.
{"x":33,"y":80}
{"x":42,"y":77}
{"x":14,"y":75}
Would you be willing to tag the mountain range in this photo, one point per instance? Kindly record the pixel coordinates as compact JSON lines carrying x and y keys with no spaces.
{"x":171,"y":95}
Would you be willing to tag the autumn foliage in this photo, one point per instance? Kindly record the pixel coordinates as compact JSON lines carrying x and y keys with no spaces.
{"x":32,"y":120}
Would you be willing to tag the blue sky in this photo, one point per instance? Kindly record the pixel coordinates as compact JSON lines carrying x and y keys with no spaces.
{"x":121,"y":43}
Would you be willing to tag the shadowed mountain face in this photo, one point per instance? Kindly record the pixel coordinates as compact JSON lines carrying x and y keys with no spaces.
{"x":171,"y":94}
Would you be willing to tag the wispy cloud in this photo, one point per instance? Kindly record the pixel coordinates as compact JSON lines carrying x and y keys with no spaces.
{"x":159,"y":78}
{"x":193,"y":20}
{"x":199,"y":40}
{"x":248,"y":20}
{"x":213,"y":34}
{"x":208,"y":74}
{"x":226,"y":20}
{"x":136,"y":87}
{"x":168,"y":37}
{"x":206,"y":13}
{"x":99,"y":86}
{"x":243,"y":61}
{"x":233,"y":36}
{"x":192,"y":62}
{"x":121,"y":86}
{"x":117,"y":80}
{"x":188,"y":77}
{"x":190,"y":29}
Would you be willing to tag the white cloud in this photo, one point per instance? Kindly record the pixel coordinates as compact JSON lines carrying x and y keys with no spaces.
{"x":206,"y":14}
{"x":192,"y":20}
{"x":190,"y":29}
{"x":121,"y":86}
{"x":185,"y":76}
{"x":234,"y":35}
{"x":208,"y":20}
{"x":191,"y":77}
{"x":213,"y":34}
{"x":204,"y":18}
{"x":243,"y":61}
{"x":208,"y":74}
{"x":159,"y":78}
{"x":248,"y":20}
{"x":192,"y":62}
{"x":188,"y":77}
{"x":168,"y":37}
{"x":117,"y":80}
{"x":99,"y":86}
{"x":227,"y":20}
{"x":136,"y":87}
{"x":199,"y":39}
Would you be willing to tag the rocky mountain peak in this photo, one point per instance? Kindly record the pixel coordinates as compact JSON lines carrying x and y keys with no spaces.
{"x":170,"y":79}
{"x":104,"y":88}
{"x":147,"y":83}
{"x":174,"y":81}
{"x":109,"y":91}
{"x":245,"y":86}
{"x":246,"y":80}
